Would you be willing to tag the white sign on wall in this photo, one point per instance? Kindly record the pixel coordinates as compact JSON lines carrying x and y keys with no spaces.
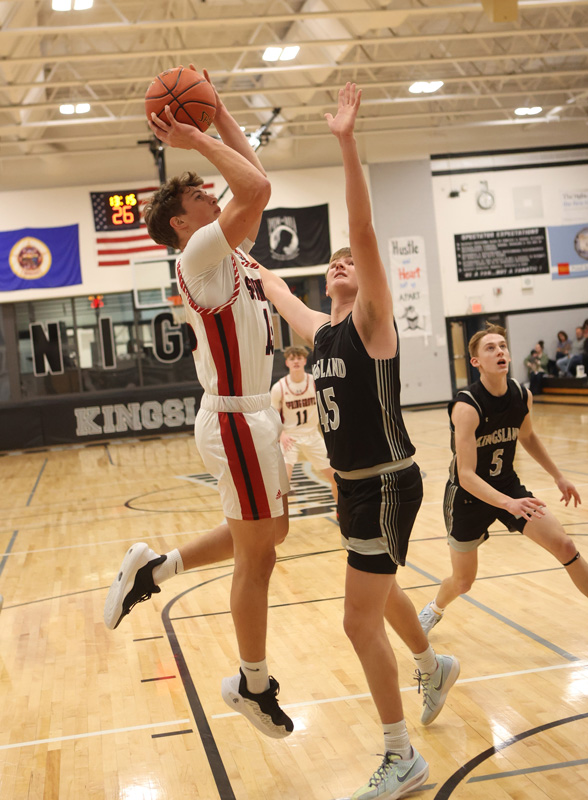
{"x":574,"y":205}
{"x":410,"y":287}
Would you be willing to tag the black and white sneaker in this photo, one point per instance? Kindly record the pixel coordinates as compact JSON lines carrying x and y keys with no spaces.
{"x":262,"y":710}
{"x":133,"y":584}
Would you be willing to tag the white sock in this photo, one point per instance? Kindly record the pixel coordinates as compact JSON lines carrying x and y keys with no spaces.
{"x":426,"y":661}
{"x":173,"y":565}
{"x":396,"y":739}
{"x":437,"y":609}
{"x":256,"y":675}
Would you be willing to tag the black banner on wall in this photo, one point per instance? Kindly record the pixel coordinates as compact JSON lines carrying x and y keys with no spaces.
{"x":501,"y":254}
{"x":293,"y":237}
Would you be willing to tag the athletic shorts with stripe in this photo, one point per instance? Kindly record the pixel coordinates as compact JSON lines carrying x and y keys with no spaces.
{"x":376,"y":517}
{"x":467,"y":518}
{"x":241,"y":450}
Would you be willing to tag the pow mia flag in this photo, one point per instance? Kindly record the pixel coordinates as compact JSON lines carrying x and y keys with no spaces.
{"x":293,"y":237}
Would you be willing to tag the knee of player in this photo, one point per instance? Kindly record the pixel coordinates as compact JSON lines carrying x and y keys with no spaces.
{"x":567,"y":549}
{"x":355,"y":627}
{"x":463,"y":583}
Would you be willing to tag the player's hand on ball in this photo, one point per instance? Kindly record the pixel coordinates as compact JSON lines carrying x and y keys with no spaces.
{"x":174,"y":133}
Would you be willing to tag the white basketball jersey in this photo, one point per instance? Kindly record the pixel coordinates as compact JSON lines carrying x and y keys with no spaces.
{"x":296,"y":403}
{"x":235,"y":341}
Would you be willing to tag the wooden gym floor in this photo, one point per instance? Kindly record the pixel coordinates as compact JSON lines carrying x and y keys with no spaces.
{"x":136,"y":714}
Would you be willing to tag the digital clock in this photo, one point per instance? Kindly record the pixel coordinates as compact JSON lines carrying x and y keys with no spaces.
{"x":115,"y":210}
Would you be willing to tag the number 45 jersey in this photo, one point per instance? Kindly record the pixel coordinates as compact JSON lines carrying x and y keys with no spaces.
{"x":500,"y":419}
{"x":358,"y":401}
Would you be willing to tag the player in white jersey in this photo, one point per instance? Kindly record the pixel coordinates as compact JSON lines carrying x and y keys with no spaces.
{"x":236,"y":428}
{"x":294,"y":398}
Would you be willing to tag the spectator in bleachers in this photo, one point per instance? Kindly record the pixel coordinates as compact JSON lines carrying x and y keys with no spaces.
{"x":567,"y":365}
{"x":537,"y":362}
{"x":563,"y":345}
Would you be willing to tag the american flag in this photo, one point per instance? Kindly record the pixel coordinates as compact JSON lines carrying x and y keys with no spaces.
{"x":117,"y":247}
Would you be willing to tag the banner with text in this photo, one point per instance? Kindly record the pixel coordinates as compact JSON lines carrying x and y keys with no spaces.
{"x":410,"y":286}
{"x":501,"y":254}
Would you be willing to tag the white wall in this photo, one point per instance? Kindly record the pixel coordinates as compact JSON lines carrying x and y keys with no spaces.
{"x":461,"y":214}
{"x":46,"y":208}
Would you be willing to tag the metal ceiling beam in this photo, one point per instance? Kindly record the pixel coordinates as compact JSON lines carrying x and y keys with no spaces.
{"x":383,"y":17}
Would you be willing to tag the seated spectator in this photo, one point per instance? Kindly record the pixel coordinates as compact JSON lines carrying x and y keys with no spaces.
{"x":567,"y":364}
{"x":537,"y":362}
{"x":563,"y":345}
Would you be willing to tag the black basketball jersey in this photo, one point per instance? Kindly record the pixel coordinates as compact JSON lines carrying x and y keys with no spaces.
{"x":498,"y":430}
{"x":358,"y":400}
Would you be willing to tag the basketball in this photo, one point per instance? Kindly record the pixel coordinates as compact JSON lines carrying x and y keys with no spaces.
{"x":188,"y":94}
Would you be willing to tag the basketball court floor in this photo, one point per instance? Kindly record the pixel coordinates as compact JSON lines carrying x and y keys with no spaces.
{"x":137,"y":714}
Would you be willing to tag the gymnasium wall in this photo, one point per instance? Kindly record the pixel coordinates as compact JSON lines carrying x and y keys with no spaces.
{"x":534,"y":197}
{"x":46,"y":208}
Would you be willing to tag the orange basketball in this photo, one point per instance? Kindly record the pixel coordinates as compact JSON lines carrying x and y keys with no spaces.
{"x":188,"y":94}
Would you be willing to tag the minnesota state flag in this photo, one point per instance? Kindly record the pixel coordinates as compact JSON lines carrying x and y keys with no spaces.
{"x":32,"y":258}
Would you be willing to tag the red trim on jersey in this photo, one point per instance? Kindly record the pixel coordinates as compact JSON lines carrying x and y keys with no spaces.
{"x":221,"y":334}
{"x":244,"y":466}
{"x":209,"y":311}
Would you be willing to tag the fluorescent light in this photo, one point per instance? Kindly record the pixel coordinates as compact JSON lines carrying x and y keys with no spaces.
{"x":272,"y":53}
{"x":82,"y":108}
{"x":254,"y":141}
{"x":426,"y":87}
{"x":67,"y":108}
{"x":82,"y":5}
{"x":289,"y":53}
{"x":61,"y":5}
{"x":528,"y":112}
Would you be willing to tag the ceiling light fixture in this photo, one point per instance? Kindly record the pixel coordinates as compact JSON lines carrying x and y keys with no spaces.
{"x":425,"y":87}
{"x":281,"y":53}
{"x":528,"y":112}
{"x":65,"y":5}
{"x":82,"y":108}
{"x":67,"y":108}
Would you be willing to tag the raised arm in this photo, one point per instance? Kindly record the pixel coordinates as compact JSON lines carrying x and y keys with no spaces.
{"x":304,"y":320}
{"x":372,"y":312}
{"x":250,"y":188}
{"x":232,"y":135}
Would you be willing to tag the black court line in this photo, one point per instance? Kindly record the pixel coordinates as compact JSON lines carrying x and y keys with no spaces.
{"x":8,"y":549}
{"x":519,"y":628}
{"x":453,"y":782}
{"x":219,"y":773}
{"x":162,"y":678}
{"x":108,"y":454}
{"x":148,"y":638}
{"x":171,"y":733}
{"x":37,"y":481}
{"x":528,"y":770}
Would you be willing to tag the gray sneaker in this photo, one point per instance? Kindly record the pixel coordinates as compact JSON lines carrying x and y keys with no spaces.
{"x":429,"y":618}
{"x":436,"y":686}
{"x":394,"y":778}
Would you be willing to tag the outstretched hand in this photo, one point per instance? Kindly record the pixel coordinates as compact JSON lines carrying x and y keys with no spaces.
{"x":568,"y":490}
{"x":343,"y":123}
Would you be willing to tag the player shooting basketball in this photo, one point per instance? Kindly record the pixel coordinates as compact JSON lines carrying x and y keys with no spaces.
{"x":236,"y":428}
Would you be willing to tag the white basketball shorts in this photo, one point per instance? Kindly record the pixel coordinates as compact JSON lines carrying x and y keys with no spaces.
{"x":307,"y":447}
{"x":242,"y":452}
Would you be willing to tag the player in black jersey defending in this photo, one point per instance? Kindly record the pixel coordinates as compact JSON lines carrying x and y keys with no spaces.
{"x":356,"y":372}
{"x":487,"y":420}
